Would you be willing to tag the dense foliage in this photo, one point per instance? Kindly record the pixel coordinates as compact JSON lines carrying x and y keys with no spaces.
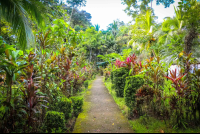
{"x":43,"y":63}
{"x":167,"y":93}
{"x":47,"y":59}
{"x":54,"y":120}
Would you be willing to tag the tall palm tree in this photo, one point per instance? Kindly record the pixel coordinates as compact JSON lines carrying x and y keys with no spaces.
{"x":113,"y":27}
{"x":19,"y":14}
{"x":143,"y":30}
{"x":172,"y":34}
{"x":97,"y":27}
{"x":175,"y":23}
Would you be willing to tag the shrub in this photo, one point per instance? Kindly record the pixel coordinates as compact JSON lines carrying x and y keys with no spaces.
{"x":86,"y":83}
{"x":119,"y":78}
{"x":101,"y":71}
{"x":111,"y":76}
{"x":93,"y":76}
{"x":77,"y":103}
{"x":132,"y":84}
{"x":54,"y":120}
{"x":64,"y":105}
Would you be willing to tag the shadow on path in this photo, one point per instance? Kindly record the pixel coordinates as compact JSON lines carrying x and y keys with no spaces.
{"x":100,"y":113}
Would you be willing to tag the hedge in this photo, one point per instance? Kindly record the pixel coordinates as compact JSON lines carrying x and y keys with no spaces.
{"x":54,"y":120}
{"x":119,"y":78}
{"x":77,"y":104}
{"x":132,"y":84}
{"x":65,"y":106}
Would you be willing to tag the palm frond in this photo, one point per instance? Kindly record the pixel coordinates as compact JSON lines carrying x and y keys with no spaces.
{"x":18,"y":14}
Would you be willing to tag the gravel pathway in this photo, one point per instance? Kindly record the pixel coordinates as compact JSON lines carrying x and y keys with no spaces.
{"x":100,"y":113}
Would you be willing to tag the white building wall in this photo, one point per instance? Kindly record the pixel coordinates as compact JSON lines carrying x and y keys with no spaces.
{"x":177,"y":67}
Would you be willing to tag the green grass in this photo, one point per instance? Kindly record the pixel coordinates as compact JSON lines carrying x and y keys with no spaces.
{"x":152,"y":125}
{"x":144,"y":125}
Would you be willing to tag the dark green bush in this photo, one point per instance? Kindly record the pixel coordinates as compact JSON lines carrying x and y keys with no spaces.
{"x":54,"y":120}
{"x":86,"y":83}
{"x":132,"y":84}
{"x":64,"y":105}
{"x":77,"y":103}
{"x":119,"y":78}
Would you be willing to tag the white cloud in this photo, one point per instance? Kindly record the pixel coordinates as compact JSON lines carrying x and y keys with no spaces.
{"x":105,"y":11}
{"x":162,"y":12}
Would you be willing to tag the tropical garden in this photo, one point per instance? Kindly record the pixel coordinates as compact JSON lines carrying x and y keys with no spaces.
{"x":50,"y":52}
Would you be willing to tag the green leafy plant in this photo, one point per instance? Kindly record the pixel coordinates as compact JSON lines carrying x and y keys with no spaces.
{"x":133,"y":83}
{"x":86,"y":84}
{"x":64,"y":105}
{"x":54,"y":120}
{"x":32,"y":95}
{"x":119,"y":78}
{"x":77,"y":103}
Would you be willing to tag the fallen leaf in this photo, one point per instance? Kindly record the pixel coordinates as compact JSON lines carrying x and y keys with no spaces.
{"x":161,"y":131}
{"x":113,"y":124}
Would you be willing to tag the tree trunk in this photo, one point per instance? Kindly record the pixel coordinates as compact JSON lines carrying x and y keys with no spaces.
{"x":0,"y":25}
{"x":189,"y":40}
{"x":10,"y":88}
{"x":70,"y":19}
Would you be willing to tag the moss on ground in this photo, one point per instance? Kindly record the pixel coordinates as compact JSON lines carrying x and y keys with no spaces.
{"x":86,"y":107}
{"x":81,"y":117}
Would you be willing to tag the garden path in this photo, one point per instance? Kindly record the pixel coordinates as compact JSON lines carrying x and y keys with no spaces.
{"x":100,"y":112}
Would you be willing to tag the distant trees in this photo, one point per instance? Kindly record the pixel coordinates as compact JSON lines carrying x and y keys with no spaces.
{"x":133,"y":8}
{"x":78,"y":18}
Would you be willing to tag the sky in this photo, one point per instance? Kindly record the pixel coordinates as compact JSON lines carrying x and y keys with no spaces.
{"x":104,"y":12}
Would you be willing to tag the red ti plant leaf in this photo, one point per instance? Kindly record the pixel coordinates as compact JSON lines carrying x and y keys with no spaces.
{"x":119,"y":63}
{"x":85,"y":68}
{"x":30,"y":91}
{"x":67,"y":64}
{"x":133,"y":58}
{"x":140,"y":64}
{"x":130,"y":60}
{"x":179,"y":85}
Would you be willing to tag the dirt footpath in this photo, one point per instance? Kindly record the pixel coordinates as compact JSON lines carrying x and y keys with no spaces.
{"x":100,"y":113}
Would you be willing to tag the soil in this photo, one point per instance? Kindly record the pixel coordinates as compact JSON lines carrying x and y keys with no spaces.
{"x":100,"y":113}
